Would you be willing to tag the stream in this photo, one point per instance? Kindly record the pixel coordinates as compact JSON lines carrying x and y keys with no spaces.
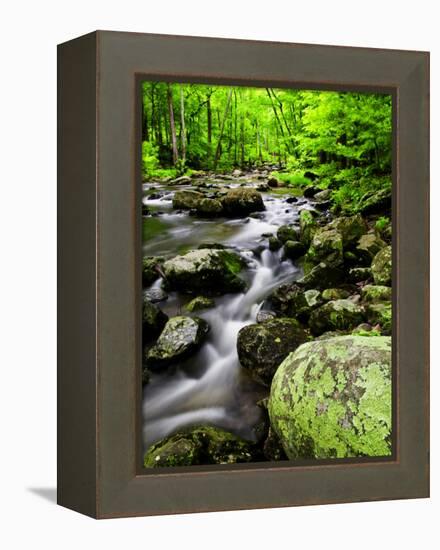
{"x":211,"y":387}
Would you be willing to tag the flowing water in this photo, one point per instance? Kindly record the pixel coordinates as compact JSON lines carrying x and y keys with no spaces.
{"x":211,"y":387}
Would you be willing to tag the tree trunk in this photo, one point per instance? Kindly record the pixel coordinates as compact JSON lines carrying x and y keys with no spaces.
{"x":182,"y":124}
{"x":209,"y":122}
{"x":172,"y":125}
{"x":222,"y":127}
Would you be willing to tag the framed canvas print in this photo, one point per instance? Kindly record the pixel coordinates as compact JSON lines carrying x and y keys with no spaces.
{"x":243,"y":274}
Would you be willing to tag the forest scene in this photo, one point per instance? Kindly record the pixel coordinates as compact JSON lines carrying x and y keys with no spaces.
{"x":266,"y":274}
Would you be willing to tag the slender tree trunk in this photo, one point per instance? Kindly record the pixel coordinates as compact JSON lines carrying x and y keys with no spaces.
{"x":222,"y":127}
{"x":172,"y":125}
{"x":275,"y":112}
{"x":242,"y":141}
{"x":209,"y":122}
{"x":182,"y":124}
{"x":235,"y":128}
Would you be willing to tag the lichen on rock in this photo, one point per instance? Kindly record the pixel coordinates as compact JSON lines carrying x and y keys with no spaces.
{"x":332,"y":398}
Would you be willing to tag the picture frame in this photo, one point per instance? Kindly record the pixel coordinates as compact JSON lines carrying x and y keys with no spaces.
{"x":99,"y":280}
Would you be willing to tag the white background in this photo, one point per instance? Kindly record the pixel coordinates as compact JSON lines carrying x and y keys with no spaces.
{"x":29,"y":33}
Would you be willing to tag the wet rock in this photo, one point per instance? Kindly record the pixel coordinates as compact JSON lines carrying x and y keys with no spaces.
{"x":322,"y":276}
{"x":323,"y":196}
{"x":242,"y":201}
{"x":291,"y":200}
{"x":215,"y":246}
{"x":351,"y":228}
{"x":334,"y":294}
{"x":376,"y":293}
{"x":368,"y":246}
{"x":287,"y":233}
{"x":274,"y":244}
{"x":310,"y":175}
{"x":145,"y":210}
{"x":186,"y":199}
{"x":272,"y":448}
{"x":153,"y":320}
{"x":208,"y":271}
{"x":310,"y":192}
{"x":272,"y":182}
{"x":263,"y":187}
{"x":326,"y":246}
{"x":155,"y":295}
{"x":336,"y":315}
{"x":201,"y":302}
{"x":381,"y":267}
{"x":293,"y":250}
{"x":265,"y":315}
{"x":359,"y":274}
{"x":182,"y":180}
{"x":375,"y":202}
{"x":237,"y":173}
{"x":199,"y":445}
{"x":209,"y":207}
{"x":332,"y":399}
{"x":262,"y":347}
{"x":151,"y":269}
{"x":180,"y":337}
{"x":308,"y":226}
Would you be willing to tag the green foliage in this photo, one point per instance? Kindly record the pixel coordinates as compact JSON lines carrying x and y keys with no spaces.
{"x":293,"y":179}
{"x":382,"y":223}
{"x":149,"y":159}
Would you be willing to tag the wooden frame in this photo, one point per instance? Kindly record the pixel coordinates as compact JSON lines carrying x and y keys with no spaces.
{"x":99,"y":466}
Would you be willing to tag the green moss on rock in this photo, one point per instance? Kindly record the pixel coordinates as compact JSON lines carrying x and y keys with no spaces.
{"x":336,"y":315}
{"x":332,"y":399}
{"x":201,"y":302}
{"x":381,"y":267}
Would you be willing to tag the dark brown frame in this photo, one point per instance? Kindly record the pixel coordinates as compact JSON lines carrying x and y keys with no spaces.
{"x":99,"y":466}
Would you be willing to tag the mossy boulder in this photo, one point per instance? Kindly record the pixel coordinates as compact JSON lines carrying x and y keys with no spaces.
{"x":287,"y":233}
{"x":274,"y":244}
{"x":323,"y":196}
{"x":180,"y":338}
{"x":209,"y":207}
{"x":381,"y":267}
{"x":334,"y":294}
{"x":351,"y":228}
{"x":322,"y":276}
{"x":262,"y":347}
{"x":336,"y":315}
{"x":332,"y":399}
{"x":200,"y":302}
{"x":359,"y":274}
{"x":153,"y":320}
{"x":307,"y":227}
{"x":151,"y":269}
{"x":186,"y":199}
{"x":380,"y":314}
{"x":375,"y":202}
{"x":293,"y":250}
{"x":368,"y":246}
{"x":326,"y":246}
{"x":207,"y":271}
{"x":198,"y":446}
{"x":376,"y":293}
{"x":292,"y":300}
{"x":242,"y":201}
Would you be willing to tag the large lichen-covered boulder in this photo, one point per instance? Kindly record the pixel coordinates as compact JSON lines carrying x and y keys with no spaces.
{"x":207,"y":271}
{"x":262,"y":347}
{"x":151,"y":268}
{"x":307,"y":226}
{"x":351,"y":228}
{"x":368,"y":246}
{"x":186,"y":199}
{"x":197,"y":446}
{"x":376,"y":293}
{"x":336,"y":315}
{"x":242,"y":201}
{"x":326,"y":246}
{"x":380,"y":314}
{"x":153,"y":320}
{"x":332,"y":398}
{"x":381,"y":267}
{"x":209,"y":207}
{"x":180,"y":337}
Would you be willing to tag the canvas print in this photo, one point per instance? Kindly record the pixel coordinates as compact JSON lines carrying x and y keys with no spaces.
{"x":266,"y":274}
